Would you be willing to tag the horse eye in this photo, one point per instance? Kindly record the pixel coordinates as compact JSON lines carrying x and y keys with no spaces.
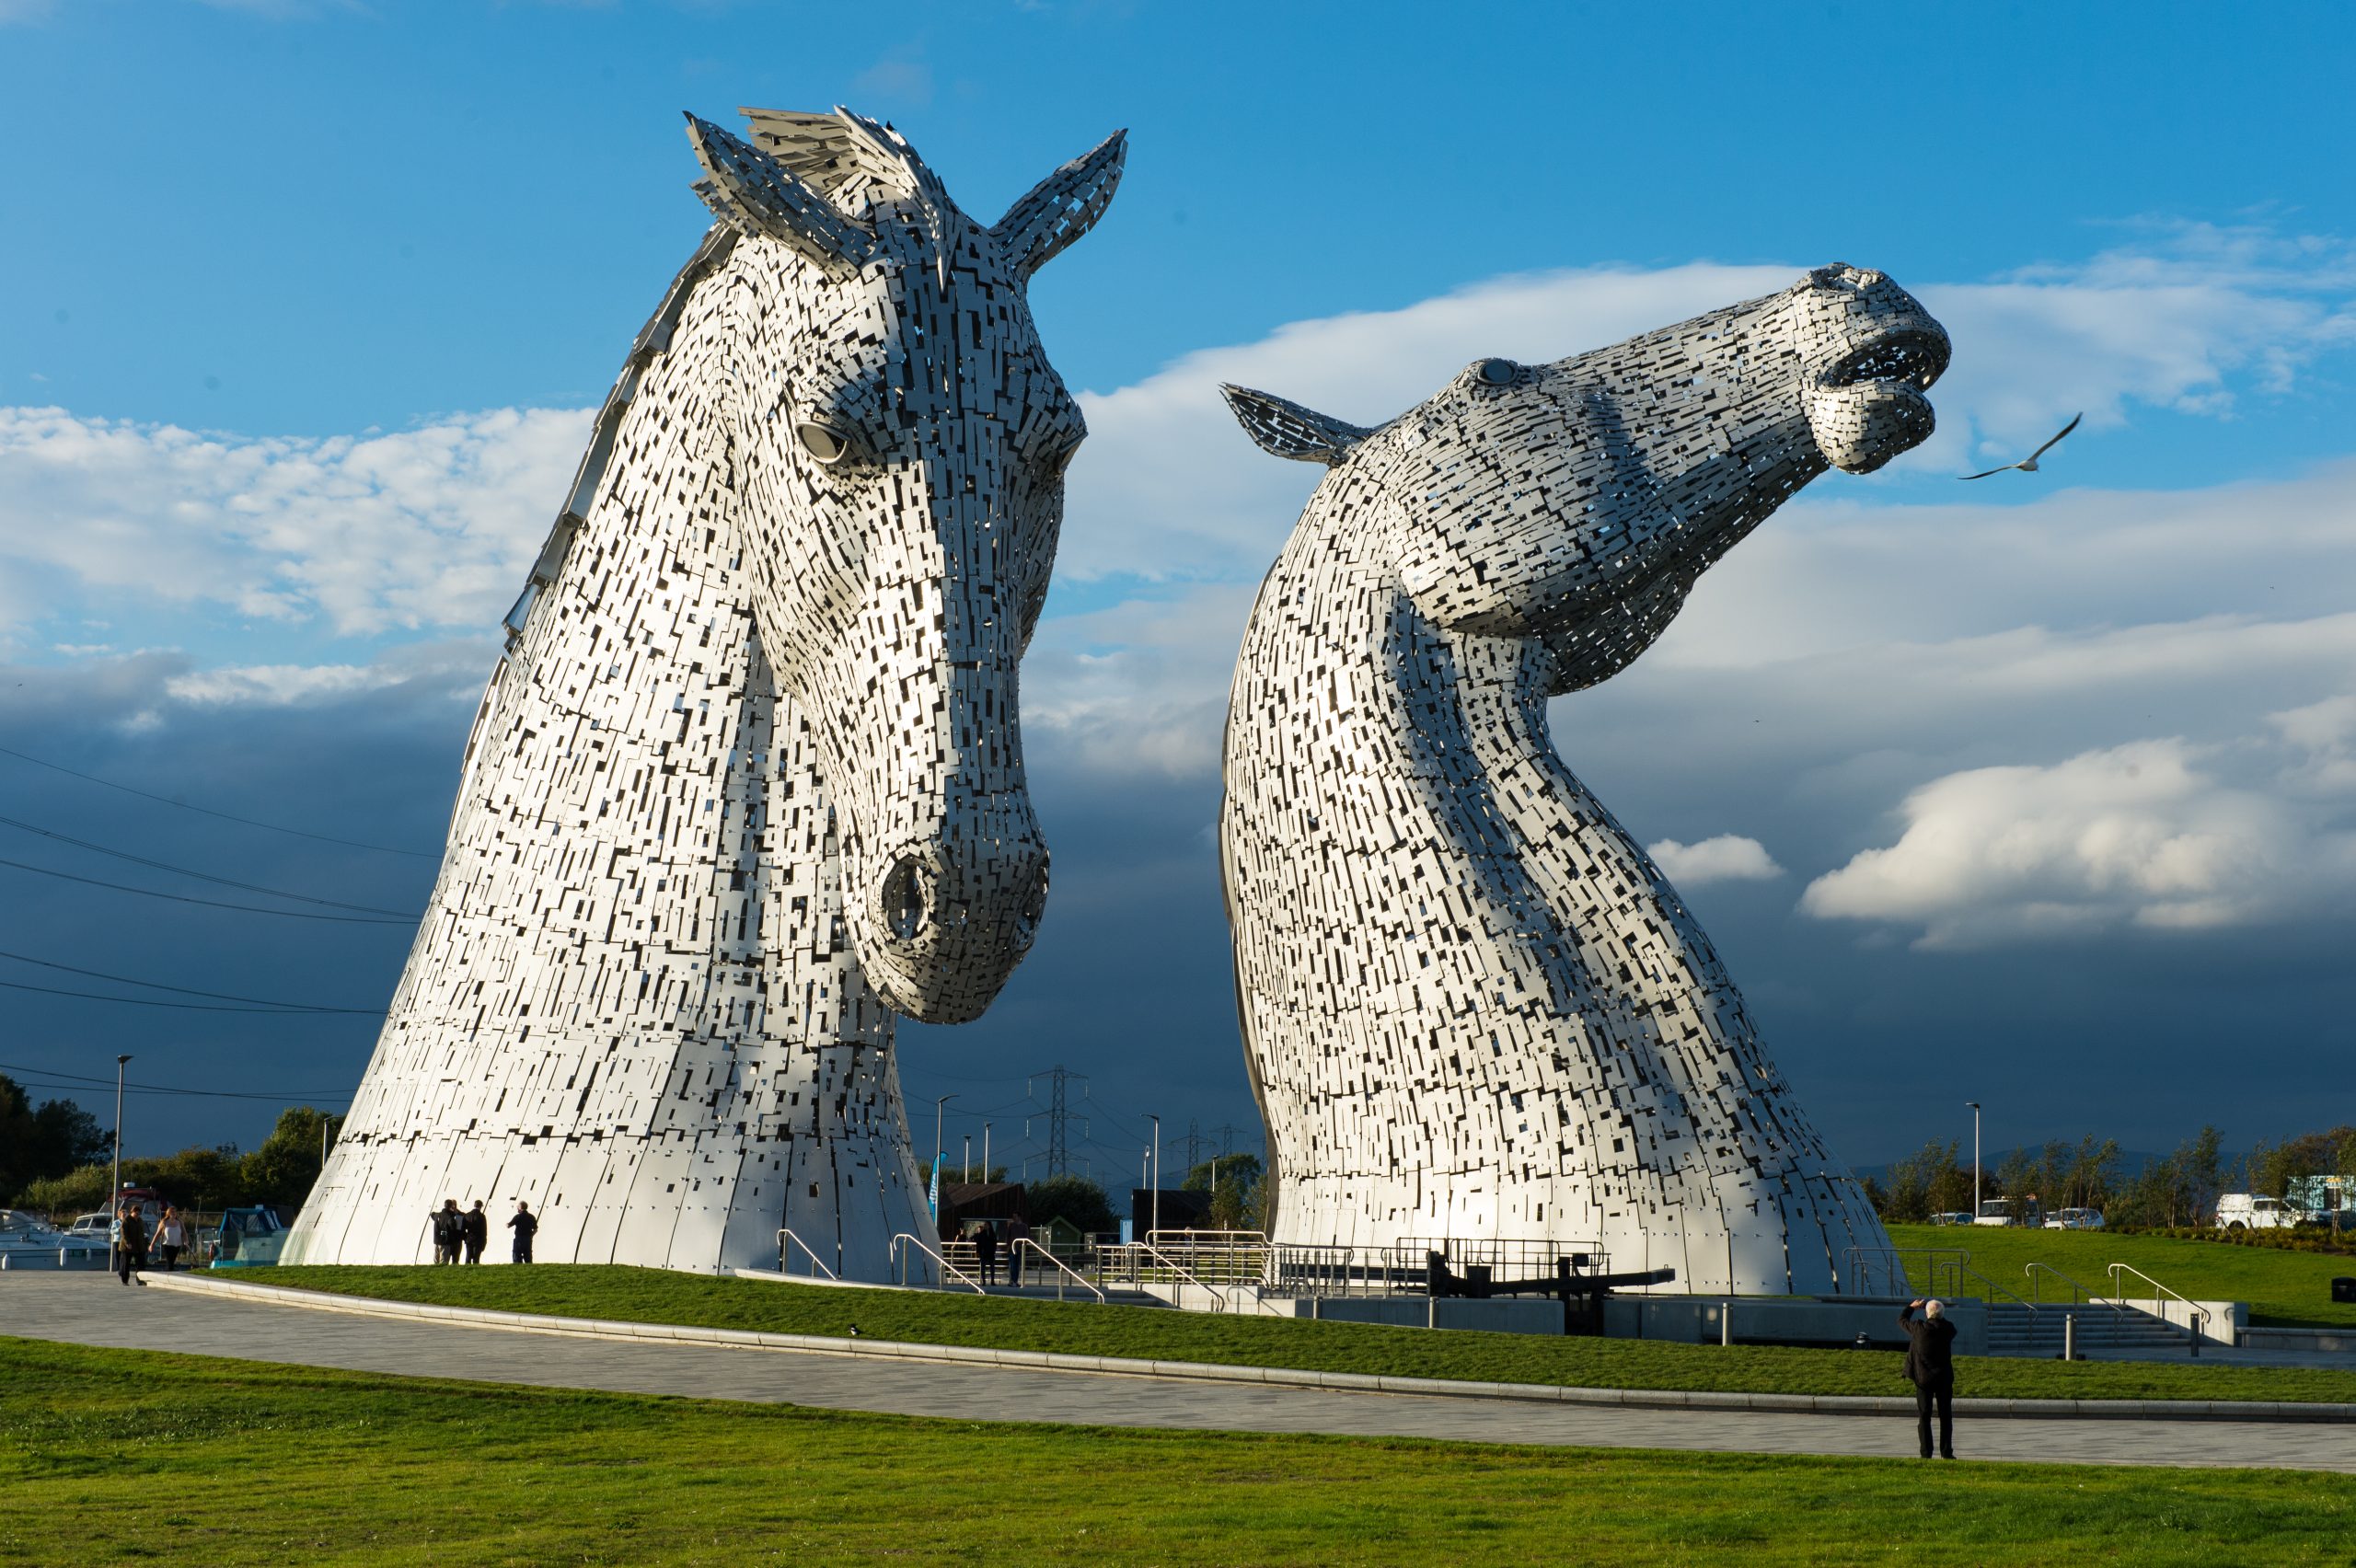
{"x":824,"y":445}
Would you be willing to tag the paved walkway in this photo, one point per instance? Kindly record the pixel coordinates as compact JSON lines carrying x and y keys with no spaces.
{"x":87,"y":1309}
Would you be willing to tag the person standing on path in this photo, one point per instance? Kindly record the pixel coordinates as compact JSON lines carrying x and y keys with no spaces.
{"x":522,"y":1225}
{"x":1018,"y":1232}
{"x":476,"y":1228}
{"x":133,"y":1253}
{"x":1930,"y":1367}
{"x":449,"y":1231}
{"x":171,"y":1236}
{"x":986,"y":1249}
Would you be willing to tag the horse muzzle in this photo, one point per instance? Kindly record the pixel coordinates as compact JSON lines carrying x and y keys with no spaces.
{"x":951,"y":917}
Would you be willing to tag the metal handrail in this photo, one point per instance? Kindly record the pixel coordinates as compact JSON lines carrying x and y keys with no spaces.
{"x":1061,"y":1269}
{"x":947,"y":1268}
{"x":1956,"y":1261}
{"x":785,"y":1233}
{"x":2195,"y":1333}
{"x":2086,"y":1297}
{"x":1219,"y":1300}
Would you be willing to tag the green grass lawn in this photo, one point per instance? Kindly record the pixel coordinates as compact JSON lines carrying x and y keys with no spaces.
{"x":655,"y":1296}
{"x":110,"y":1456}
{"x":2283,"y":1288}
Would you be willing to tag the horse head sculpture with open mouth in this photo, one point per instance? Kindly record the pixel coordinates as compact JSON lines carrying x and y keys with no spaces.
{"x":1474,"y":1009}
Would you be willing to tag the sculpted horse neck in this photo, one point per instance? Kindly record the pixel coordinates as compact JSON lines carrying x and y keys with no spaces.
{"x":749,"y":780}
{"x":1471,"y":1006}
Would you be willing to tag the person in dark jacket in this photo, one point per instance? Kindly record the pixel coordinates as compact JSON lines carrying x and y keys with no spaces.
{"x":522,"y":1223}
{"x":986,"y":1249}
{"x":131,"y":1255}
{"x":1930,"y":1367}
{"x":449,"y":1231}
{"x":476,"y":1228}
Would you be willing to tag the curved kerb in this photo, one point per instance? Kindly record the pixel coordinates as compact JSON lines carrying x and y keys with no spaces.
{"x":1353,"y":1382}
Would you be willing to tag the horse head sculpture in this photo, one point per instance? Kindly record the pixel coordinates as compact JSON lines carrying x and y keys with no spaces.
{"x":1472,"y":1008}
{"x":747,"y":784}
{"x":901,"y":449}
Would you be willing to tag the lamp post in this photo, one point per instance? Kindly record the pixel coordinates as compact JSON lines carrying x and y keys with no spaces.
{"x":937,"y":1106}
{"x":986,"y":1151}
{"x":966,"y":1160}
{"x":114,"y":1183}
{"x":1975,"y":1159}
{"x":1153,"y":1221}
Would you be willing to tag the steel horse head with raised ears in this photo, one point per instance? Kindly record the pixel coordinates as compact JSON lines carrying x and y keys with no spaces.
{"x":900,"y":442}
{"x":1472,"y":1006}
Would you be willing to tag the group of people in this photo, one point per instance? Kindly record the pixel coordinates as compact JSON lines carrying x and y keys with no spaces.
{"x":132,"y":1240}
{"x":468,"y":1233}
{"x":984,"y":1235}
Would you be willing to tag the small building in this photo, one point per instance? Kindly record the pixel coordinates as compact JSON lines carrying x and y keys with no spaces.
{"x":961,"y":1202}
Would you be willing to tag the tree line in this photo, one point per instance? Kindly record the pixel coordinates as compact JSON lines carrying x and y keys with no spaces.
{"x":2179,"y":1188}
{"x":55,"y":1159}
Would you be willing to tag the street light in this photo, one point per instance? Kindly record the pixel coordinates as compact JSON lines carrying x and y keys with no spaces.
{"x":934,"y":1198}
{"x":114,"y":1187}
{"x":966,"y":1160}
{"x":1975,"y":1159}
{"x":1153,"y":1221}
{"x":986,"y":1151}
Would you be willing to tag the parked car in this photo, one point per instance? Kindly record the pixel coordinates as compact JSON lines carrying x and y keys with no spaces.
{"x":2004,"y":1211}
{"x":2241,"y":1211}
{"x":1955,"y":1216}
{"x":2075,"y":1219}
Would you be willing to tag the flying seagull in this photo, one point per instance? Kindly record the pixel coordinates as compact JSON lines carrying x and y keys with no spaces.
{"x":2028,"y":464}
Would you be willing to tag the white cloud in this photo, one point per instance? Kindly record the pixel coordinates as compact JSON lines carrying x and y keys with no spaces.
{"x":2148,"y":834}
{"x":412,"y":530}
{"x":1140,"y":688}
{"x":1728,"y":857}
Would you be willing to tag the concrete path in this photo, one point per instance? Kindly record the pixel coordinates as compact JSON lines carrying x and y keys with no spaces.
{"x":85,"y":1309}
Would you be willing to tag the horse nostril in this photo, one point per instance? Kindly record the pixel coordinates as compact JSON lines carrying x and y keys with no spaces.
{"x":907,"y":898}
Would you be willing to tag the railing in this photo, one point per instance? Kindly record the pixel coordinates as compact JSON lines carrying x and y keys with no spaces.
{"x":1296,"y":1269}
{"x":1947,"y":1271}
{"x":784,"y":1234}
{"x":1134,"y":1255}
{"x":948,"y":1270}
{"x":2199,"y":1328}
{"x":1062,"y":1271}
{"x":1219,"y":1257}
{"x":2083,"y":1296}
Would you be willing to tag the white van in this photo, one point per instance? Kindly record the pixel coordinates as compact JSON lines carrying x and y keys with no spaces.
{"x":2240,"y":1211}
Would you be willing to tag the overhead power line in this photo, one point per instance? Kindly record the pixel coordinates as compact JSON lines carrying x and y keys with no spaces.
{"x":45,"y":1077}
{"x":178,"y":990}
{"x":207,"y":811}
{"x":203,"y":876}
{"x":212,"y":903}
{"x":185,"y":1007}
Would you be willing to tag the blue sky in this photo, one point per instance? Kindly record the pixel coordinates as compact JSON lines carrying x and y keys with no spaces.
{"x":2042,"y":788}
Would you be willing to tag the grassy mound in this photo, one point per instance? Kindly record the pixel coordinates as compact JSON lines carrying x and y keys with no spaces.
{"x":655,"y":1296}
{"x":2283,"y":1289}
{"x":107,"y":1456}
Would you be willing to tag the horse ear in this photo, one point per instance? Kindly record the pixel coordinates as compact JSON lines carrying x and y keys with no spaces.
{"x":1061,"y":207}
{"x":1290,"y":431}
{"x":754,"y":193}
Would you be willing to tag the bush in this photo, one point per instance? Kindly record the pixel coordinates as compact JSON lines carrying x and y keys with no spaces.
{"x":1076,"y":1200}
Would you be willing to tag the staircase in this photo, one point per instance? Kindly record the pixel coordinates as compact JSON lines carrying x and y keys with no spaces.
{"x":2014,"y":1329}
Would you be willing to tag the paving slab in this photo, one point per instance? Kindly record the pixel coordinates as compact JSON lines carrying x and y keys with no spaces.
{"x":97,"y":1310}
